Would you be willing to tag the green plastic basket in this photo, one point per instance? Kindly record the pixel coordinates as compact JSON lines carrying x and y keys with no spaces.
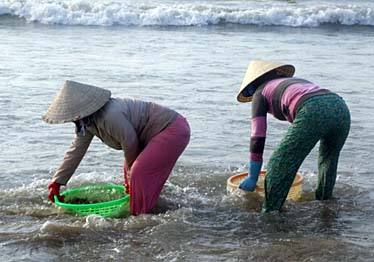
{"x":110,"y":200}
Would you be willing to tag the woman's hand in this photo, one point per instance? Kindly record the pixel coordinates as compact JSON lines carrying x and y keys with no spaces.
{"x":249,"y":183}
{"x":54,"y":190}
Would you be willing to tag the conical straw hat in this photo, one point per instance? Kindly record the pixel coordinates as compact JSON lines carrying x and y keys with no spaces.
{"x":258,"y":68}
{"x":75,"y":101}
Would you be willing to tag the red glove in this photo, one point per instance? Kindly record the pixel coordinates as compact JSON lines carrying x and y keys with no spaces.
{"x":54,"y":190}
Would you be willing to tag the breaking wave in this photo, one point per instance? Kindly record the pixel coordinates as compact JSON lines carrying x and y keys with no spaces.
{"x":104,"y":13}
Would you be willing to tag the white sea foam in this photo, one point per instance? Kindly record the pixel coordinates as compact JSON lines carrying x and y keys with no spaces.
{"x":104,"y":13}
{"x":96,"y":221}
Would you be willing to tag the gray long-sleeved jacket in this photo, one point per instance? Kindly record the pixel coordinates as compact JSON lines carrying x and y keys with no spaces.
{"x":123,"y":124}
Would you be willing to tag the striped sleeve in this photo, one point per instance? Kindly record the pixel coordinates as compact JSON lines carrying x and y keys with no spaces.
{"x":258,"y":132}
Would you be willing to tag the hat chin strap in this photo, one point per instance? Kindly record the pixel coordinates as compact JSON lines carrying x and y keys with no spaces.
{"x":80,"y":127}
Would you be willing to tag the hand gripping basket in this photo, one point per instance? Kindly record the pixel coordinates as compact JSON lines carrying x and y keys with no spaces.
{"x":294,"y":193}
{"x":106,"y":200}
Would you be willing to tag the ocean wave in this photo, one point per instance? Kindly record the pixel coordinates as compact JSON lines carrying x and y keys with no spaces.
{"x":100,"y":13}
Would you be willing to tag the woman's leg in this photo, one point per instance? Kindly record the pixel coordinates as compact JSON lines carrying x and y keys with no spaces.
{"x":329,"y":149}
{"x":154,"y":164}
{"x":286,"y":159}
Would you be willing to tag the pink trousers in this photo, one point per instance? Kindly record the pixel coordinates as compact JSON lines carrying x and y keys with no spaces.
{"x":154,"y":164}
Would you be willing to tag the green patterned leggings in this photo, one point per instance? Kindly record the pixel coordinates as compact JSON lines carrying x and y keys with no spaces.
{"x":324,"y":118}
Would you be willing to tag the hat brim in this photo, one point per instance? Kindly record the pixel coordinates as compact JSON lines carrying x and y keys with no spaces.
{"x":281,"y":70}
{"x":244,"y":99}
{"x":76,"y":101}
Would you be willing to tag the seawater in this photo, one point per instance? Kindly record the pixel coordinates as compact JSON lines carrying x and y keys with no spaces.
{"x":190,"y":56}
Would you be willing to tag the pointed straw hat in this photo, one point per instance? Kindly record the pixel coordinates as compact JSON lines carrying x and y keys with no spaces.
{"x":75,"y":101}
{"x":257,"y":69}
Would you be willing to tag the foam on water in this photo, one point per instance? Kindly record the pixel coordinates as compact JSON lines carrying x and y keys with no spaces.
{"x":108,"y":13}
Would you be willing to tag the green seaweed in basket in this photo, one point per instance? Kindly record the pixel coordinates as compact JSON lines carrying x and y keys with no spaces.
{"x":94,"y":196}
{"x":81,"y":201}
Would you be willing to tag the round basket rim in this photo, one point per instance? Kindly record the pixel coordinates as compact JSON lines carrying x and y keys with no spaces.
{"x":95,"y":205}
{"x":299,"y":180}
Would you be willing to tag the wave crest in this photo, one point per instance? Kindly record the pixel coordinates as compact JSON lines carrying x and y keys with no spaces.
{"x":114,"y":13}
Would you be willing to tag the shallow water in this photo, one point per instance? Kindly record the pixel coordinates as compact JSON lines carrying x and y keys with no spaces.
{"x":197,"y":71}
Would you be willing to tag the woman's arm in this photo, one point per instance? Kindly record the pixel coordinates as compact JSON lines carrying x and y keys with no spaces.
{"x":257,"y":140}
{"x":72,"y":158}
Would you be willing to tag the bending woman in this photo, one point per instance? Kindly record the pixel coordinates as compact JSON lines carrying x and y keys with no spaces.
{"x":316,"y":114}
{"x":151,"y":136}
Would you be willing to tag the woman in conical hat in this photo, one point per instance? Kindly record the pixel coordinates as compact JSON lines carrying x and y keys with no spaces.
{"x":315,"y":114}
{"x":151,"y":136}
